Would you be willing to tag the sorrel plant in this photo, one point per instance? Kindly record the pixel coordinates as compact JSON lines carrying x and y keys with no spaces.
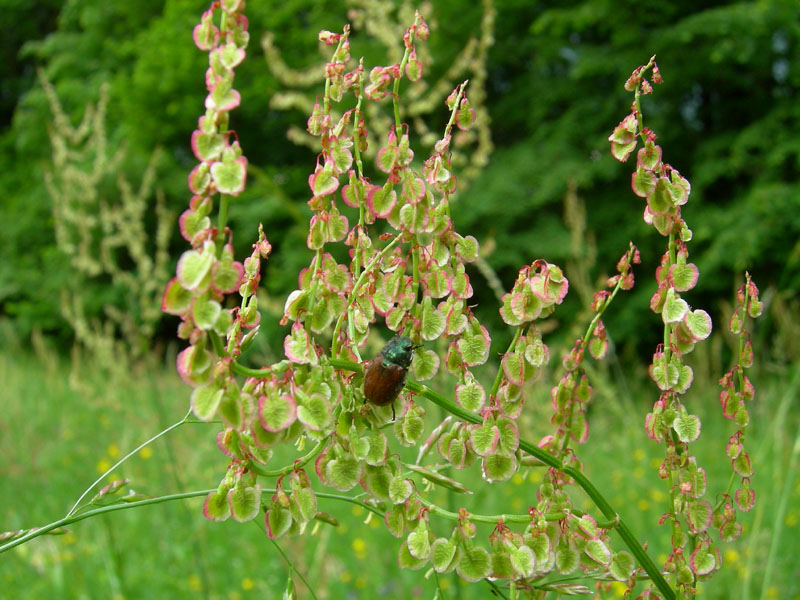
{"x":407,"y":270}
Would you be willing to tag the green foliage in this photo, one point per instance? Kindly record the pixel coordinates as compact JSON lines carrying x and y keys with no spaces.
{"x":727,"y":115}
{"x":552,"y":90}
{"x":21,"y":22}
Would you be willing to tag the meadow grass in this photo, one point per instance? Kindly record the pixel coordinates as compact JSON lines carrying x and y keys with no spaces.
{"x":57,"y":438}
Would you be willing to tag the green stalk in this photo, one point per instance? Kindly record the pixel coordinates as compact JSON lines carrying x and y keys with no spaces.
{"x":499,"y":377}
{"x":248,"y":371}
{"x":607,"y":303}
{"x":300,"y":462}
{"x":490,"y":519}
{"x":359,"y":168}
{"x":123,"y":459}
{"x":396,"y":87}
{"x":359,"y":282}
{"x":585,"y":341}
{"x":222,"y":221}
{"x":292,"y":568}
{"x":448,"y":128}
{"x":34,"y":533}
{"x":40,"y":531}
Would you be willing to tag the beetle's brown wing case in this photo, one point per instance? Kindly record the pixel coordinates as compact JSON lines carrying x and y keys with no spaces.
{"x":382,"y":383}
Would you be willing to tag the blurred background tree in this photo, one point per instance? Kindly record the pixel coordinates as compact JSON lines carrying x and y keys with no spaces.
{"x":727,"y":112}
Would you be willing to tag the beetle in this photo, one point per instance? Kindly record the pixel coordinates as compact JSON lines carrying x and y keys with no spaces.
{"x":386,"y":373}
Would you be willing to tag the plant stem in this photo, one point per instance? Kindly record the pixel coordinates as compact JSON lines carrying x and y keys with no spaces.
{"x":490,"y":519}
{"x":222,"y":218}
{"x":403,"y":62}
{"x":248,"y":371}
{"x":351,"y":500}
{"x":68,"y":520}
{"x":607,"y":303}
{"x":126,"y":457}
{"x":359,"y":282}
{"x":453,"y":112}
{"x":292,"y":569}
{"x":301,"y":462}
{"x":499,"y":377}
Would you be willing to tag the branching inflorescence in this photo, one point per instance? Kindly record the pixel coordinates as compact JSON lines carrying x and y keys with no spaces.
{"x":407,"y":268}
{"x":694,"y":556}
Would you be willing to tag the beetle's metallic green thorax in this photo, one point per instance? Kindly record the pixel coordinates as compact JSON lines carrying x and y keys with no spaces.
{"x":398,"y":351}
